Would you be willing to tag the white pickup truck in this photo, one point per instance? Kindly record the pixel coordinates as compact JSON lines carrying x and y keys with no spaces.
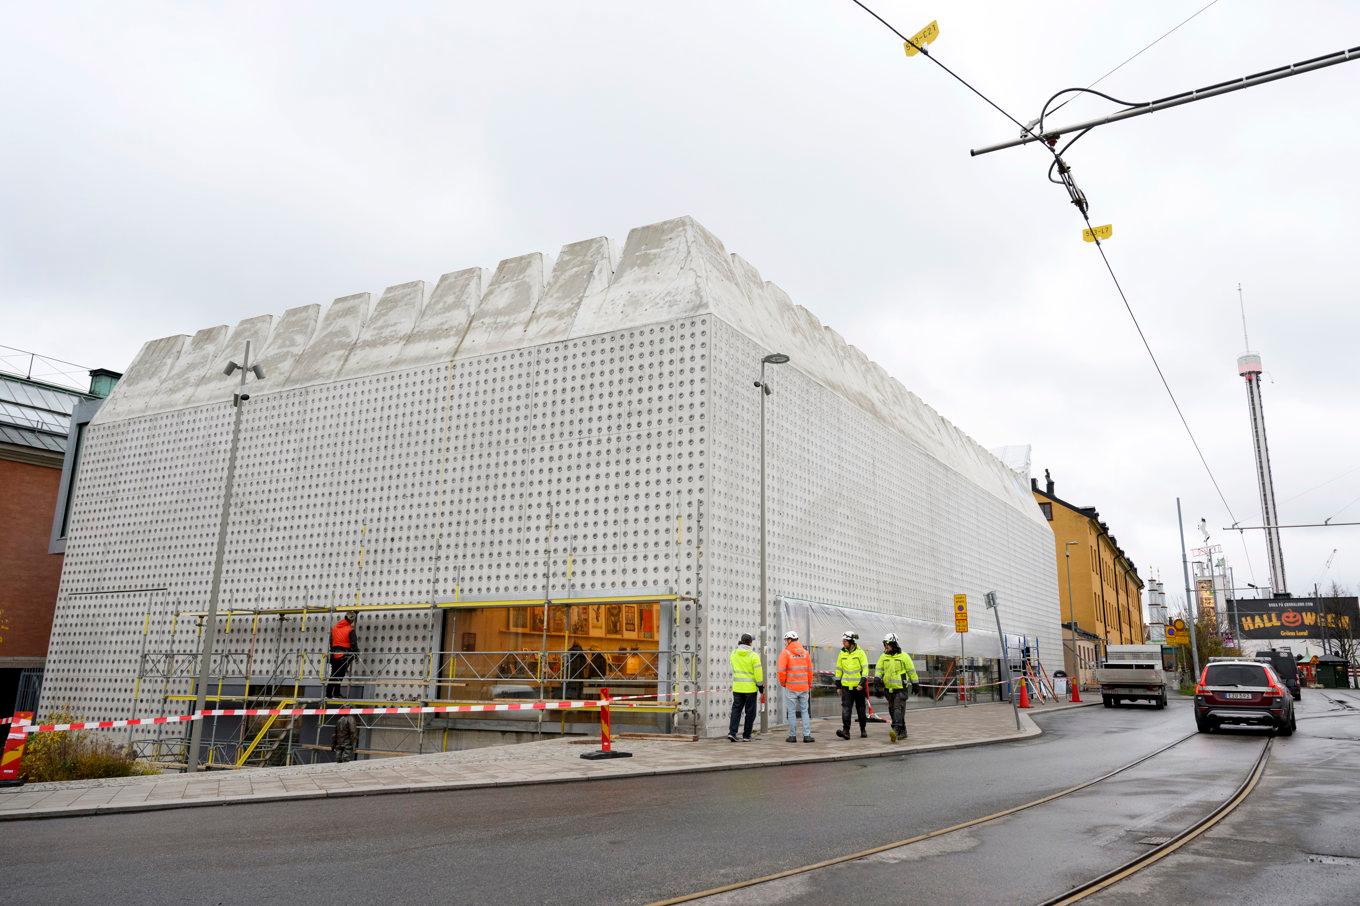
{"x":1132,"y":673}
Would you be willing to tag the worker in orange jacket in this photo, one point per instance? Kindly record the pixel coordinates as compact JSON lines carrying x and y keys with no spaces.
{"x":795,"y":675}
{"x":344,"y":645}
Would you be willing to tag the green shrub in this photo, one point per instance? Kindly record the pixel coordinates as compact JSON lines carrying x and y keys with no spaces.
{"x":75,"y":755}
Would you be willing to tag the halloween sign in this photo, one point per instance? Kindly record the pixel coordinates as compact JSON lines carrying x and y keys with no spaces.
{"x":1296,"y":618}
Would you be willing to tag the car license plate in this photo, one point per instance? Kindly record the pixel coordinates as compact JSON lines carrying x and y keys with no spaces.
{"x":1237,"y":695}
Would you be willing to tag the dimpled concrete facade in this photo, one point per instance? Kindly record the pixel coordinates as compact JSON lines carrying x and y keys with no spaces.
{"x":606,"y":394}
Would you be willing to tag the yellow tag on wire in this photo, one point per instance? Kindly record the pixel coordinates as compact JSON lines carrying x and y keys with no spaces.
{"x":923,"y":37}
{"x":1100,"y":232}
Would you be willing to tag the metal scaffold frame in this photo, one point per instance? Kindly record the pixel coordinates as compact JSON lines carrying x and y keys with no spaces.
{"x":286,"y":677}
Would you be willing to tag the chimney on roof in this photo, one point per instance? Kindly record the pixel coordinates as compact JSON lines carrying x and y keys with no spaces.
{"x":1048,"y":483}
{"x":102,"y":381}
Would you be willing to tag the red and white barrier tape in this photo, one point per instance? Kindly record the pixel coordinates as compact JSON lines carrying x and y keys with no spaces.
{"x":316,"y":712}
{"x":566,"y":705}
{"x":956,"y":685}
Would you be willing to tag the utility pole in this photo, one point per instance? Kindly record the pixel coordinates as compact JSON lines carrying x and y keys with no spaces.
{"x":1189,"y":596}
{"x":210,"y":626}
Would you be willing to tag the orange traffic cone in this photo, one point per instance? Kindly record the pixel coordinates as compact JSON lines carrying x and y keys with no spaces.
{"x":1076,"y":692}
{"x":1024,"y":694}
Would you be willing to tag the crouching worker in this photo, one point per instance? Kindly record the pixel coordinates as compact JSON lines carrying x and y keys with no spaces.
{"x":345,"y":738}
{"x":896,"y":670}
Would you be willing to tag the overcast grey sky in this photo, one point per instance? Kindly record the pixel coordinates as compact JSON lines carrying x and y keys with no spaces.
{"x":166,"y":167}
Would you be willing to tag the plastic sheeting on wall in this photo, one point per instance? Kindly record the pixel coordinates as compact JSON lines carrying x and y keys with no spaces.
{"x":820,"y":625}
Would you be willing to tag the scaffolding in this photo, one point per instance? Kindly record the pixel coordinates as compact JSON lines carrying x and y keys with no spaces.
{"x":252,"y":668}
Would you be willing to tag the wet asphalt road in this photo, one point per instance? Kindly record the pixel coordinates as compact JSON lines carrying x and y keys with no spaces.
{"x":1295,"y":840}
{"x":631,"y":840}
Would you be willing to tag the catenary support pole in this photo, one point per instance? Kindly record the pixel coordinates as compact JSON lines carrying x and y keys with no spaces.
{"x":1189,"y":596}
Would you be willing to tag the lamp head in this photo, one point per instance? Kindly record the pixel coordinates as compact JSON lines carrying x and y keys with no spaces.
{"x":776,"y":358}
{"x":230,"y":369}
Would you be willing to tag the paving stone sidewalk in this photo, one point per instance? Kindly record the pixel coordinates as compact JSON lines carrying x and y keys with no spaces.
{"x":549,"y":761}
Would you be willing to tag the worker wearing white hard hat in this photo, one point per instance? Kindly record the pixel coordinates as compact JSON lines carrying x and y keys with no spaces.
{"x":795,"y":675}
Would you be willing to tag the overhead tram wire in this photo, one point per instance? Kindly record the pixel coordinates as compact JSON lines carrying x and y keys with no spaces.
{"x":1137,"y":55}
{"x":1080,"y":202}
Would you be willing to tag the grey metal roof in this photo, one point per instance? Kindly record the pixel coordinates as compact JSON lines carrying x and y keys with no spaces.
{"x":35,"y":415}
{"x":37,"y":440}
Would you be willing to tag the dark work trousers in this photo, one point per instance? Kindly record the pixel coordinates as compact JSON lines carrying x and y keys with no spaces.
{"x":853,"y":698}
{"x":897,"y":709}
{"x":339,"y":667}
{"x":743,"y":701}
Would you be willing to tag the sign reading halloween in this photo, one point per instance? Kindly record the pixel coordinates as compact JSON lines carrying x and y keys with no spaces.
{"x":1296,"y":618}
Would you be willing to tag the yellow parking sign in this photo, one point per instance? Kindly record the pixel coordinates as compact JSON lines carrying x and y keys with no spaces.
{"x":960,"y":613}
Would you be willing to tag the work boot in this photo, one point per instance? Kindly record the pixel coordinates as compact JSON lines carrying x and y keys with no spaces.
{"x":792,"y":738}
{"x":808,"y":739}
{"x":843,"y":734}
{"x":863,"y":733}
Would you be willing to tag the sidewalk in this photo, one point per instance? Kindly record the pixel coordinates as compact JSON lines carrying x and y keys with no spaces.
{"x":549,"y":761}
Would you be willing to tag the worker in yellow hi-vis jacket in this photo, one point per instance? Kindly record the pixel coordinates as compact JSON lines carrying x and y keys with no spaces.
{"x":748,"y":681}
{"x":897,"y":671}
{"x":852,"y":677}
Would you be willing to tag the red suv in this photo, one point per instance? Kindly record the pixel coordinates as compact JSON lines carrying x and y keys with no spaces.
{"x":1243,"y":692}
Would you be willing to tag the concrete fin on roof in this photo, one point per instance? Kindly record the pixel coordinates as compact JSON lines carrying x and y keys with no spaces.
{"x":668,"y":270}
{"x":325,"y":355}
{"x":580,"y":279}
{"x":378,"y":348}
{"x":444,"y":321}
{"x":289,"y":338}
{"x":143,"y":378}
{"x":198,"y":354}
{"x":759,"y":312}
{"x":665,"y":272}
{"x":506,"y":307}
{"x":215,"y":387}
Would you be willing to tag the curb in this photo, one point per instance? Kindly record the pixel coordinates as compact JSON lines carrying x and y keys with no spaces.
{"x":1031,"y":730}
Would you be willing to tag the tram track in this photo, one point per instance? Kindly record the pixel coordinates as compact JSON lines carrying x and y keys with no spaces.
{"x":1160,"y":852}
{"x":1073,"y":895}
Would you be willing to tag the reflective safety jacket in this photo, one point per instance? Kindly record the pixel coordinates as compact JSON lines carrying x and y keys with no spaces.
{"x":795,"y":668}
{"x":342,"y":636}
{"x":746,"y":672}
{"x":852,"y":667}
{"x":896,"y":670}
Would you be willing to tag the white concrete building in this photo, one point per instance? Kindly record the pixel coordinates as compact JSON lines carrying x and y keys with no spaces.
{"x":585,"y":429}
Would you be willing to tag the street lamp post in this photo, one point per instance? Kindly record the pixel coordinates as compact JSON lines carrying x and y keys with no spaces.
{"x":774,"y":358}
{"x":210,"y":624}
{"x":1071,"y":611}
